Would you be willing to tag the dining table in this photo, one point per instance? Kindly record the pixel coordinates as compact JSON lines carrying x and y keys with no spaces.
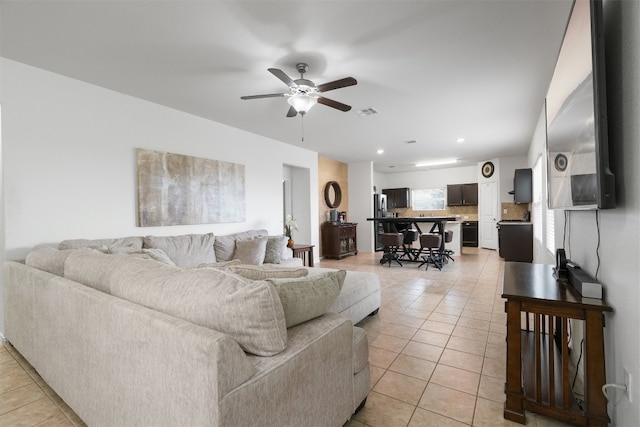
{"x":437,"y":225}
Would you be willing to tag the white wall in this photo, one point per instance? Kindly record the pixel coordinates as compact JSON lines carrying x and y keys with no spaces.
{"x":433,"y":178}
{"x":619,"y":228}
{"x":361,"y":203}
{"x":2,"y":226}
{"x":69,"y":161}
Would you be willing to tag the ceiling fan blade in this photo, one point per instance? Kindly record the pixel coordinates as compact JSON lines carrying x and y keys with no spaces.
{"x":283,"y":76}
{"x":334,"y":104}
{"x":337,"y":84}
{"x":292,"y":112}
{"x":270,"y":95}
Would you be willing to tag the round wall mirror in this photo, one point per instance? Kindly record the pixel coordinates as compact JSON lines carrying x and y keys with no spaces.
{"x":332,"y":194}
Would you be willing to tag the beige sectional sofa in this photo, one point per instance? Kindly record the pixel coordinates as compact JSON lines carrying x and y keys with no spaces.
{"x":126,"y":338}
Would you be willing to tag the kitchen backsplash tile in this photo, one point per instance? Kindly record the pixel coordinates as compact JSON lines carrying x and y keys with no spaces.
{"x":513,"y":210}
{"x":471,"y":212}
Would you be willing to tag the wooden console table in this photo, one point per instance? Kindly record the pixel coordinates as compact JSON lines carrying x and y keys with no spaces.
{"x":538,"y":377}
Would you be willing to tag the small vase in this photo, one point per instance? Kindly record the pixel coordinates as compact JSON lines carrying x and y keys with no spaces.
{"x":290,"y":243}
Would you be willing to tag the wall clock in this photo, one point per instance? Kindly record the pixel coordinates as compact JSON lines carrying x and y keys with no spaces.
{"x":560,"y":163}
{"x":487,"y":169}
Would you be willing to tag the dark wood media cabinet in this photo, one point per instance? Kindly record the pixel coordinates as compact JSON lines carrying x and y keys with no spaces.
{"x":339,"y":239}
{"x":538,"y":376}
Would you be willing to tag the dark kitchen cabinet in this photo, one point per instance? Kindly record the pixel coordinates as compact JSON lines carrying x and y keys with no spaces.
{"x":462,"y":194}
{"x":523,"y":186}
{"x":339,"y":240}
{"x":515,"y":241}
{"x":398,"y":197}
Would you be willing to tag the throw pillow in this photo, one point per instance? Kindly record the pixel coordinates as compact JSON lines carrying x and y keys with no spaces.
{"x":185,"y":251}
{"x":251,"y":251}
{"x":158,"y":255}
{"x":226,"y":245}
{"x":309,"y":297}
{"x":274,"y":252}
{"x":262,"y":272}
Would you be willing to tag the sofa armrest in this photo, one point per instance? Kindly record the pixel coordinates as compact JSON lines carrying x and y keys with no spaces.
{"x":104,"y":355}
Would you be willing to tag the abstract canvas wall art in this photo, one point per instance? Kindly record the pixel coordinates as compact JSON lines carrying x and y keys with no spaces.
{"x":174,"y":189}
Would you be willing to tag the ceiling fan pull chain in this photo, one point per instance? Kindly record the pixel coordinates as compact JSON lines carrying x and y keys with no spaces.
{"x":302,"y":128}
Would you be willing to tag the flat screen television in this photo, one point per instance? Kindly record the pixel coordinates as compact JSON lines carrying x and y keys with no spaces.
{"x":578,"y":174}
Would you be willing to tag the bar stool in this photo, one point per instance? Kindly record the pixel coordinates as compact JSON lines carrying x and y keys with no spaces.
{"x":410,"y":236}
{"x":448,"y":238}
{"x":431,"y":241}
{"x":391,"y":242}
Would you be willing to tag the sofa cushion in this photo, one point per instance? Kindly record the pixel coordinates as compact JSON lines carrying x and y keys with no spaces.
{"x":94,"y":269}
{"x":308,"y":297}
{"x":276,"y":249}
{"x":159,"y":255}
{"x":220,"y":265}
{"x":50,"y":259}
{"x":248,"y":311}
{"x":262,"y":272}
{"x":189,"y":250}
{"x":111,"y":246}
{"x":251,"y":251}
{"x":225,"y":246}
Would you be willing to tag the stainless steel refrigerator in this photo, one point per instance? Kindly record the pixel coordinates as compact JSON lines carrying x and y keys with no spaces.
{"x":379,"y":211}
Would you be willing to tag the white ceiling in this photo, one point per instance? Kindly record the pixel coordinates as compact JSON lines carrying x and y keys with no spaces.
{"x":435,"y":70}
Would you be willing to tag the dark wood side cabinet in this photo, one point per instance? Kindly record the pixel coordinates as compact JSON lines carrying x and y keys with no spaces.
{"x":538,"y":378}
{"x":398,"y":197}
{"x":339,"y":239}
{"x":462,"y":194}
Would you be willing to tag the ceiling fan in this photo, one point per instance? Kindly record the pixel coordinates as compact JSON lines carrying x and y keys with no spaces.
{"x":304,"y":94}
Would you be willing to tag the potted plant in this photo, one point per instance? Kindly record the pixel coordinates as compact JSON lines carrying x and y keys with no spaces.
{"x":289,"y":227}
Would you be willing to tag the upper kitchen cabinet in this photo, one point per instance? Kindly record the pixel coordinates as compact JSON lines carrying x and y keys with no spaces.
{"x":462,"y":194}
{"x":398,"y":197}
{"x":523,"y":186}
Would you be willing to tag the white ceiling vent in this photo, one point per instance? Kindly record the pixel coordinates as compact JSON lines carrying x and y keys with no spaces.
{"x":367,"y":112}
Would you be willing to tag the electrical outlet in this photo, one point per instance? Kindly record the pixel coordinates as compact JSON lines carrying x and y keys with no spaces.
{"x":504,"y":211}
{"x":627,"y":382}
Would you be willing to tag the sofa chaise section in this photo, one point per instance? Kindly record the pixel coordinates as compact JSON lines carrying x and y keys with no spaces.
{"x":116,"y":362}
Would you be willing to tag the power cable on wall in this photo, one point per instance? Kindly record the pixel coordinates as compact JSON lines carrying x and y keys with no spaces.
{"x":565,"y":234}
{"x":598,"y":245}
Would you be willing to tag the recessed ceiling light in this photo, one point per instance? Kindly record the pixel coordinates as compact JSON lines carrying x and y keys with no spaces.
{"x":380,"y":151}
{"x":460,"y":140}
{"x":437,"y":162}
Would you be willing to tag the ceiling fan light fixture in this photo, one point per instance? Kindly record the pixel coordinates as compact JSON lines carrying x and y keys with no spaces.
{"x":302,"y":102}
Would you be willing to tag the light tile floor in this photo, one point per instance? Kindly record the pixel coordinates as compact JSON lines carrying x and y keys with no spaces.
{"x":437,"y":351}
{"x":437,"y":347}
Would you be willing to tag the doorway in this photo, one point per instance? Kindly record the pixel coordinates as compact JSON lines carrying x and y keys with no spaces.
{"x":296,"y":200}
{"x":488,"y":215}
